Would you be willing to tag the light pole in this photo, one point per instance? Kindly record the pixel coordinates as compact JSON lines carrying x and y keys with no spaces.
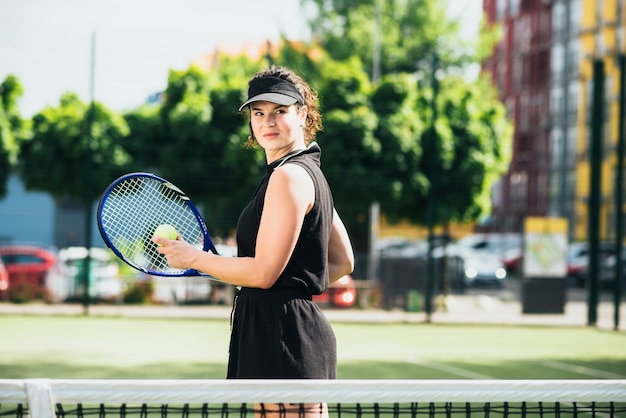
{"x":89,"y":181}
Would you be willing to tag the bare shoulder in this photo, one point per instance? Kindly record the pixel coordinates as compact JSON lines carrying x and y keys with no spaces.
{"x":293,"y":182}
{"x":293,"y":173}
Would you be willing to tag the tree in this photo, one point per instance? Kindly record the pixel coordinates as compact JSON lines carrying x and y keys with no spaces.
{"x":12,"y":128}
{"x":480,"y":151}
{"x":145,"y":138}
{"x":457,"y":156}
{"x":397,"y":140}
{"x":396,"y":100}
{"x":408,"y":32}
{"x":449,"y":143}
{"x":196,"y":139}
{"x":236,"y":169}
{"x":55,"y":158}
{"x":351,"y":153}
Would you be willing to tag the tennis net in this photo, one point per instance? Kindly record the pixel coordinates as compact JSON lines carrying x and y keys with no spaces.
{"x":47,"y":398}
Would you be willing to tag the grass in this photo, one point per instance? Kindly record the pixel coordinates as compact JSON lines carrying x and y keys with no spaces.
{"x":79,"y":347}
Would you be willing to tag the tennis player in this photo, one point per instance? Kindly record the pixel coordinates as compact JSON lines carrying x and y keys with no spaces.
{"x":291,"y":243}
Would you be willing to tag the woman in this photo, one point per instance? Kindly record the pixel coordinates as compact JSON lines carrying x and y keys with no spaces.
{"x":291,"y":242}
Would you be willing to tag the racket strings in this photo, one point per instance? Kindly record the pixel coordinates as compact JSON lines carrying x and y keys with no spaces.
{"x":133,"y":210}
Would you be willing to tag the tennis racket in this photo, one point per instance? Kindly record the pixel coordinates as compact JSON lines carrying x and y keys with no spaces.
{"x":131,"y":209}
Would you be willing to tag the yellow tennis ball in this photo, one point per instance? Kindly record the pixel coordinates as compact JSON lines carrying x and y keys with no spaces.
{"x":166,"y":231}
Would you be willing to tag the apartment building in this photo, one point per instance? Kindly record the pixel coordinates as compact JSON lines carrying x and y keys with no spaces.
{"x":602,"y":41}
{"x":520,"y":68}
{"x":542,"y":68}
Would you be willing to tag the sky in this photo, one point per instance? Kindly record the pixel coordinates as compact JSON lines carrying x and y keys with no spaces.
{"x":48,"y":44}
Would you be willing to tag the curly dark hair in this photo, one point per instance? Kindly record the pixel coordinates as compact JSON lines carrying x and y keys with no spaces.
{"x":313,"y":123}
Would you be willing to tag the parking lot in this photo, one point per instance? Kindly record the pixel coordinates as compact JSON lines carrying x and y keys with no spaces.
{"x":486,"y":306}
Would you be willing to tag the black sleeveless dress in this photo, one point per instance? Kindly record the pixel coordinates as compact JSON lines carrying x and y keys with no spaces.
{"x":280,"y":332}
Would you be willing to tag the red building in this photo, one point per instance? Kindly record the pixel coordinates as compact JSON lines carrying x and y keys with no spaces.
{"x":520,"y":68}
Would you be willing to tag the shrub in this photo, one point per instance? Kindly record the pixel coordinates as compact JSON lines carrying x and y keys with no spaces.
{"x":139,"y":293}
{"x":24,"y":292}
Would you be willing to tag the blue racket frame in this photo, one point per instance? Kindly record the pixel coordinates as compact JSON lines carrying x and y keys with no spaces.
{"x":133,"y":206}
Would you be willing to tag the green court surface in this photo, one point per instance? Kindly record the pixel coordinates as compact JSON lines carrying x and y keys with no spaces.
{"x":77,"y":347}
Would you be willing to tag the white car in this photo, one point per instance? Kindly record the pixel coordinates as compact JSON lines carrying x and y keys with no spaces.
{"x":480,"y":268}
{"x":104,"y":274}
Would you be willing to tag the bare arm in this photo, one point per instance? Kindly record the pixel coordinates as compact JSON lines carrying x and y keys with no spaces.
{"x":340,"y":253}
{"x":290,"y":194}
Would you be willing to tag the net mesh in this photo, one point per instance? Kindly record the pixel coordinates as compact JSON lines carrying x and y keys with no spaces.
{"x":286,"y":398}
{"x":132,"y":211}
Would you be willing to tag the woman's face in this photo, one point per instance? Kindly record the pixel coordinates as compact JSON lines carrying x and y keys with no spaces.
{"x":277,"y":127}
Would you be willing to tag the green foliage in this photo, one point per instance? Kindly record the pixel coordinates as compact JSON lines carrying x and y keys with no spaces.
{"x":417,"y":130}
{"x":438,"y":137}
{"x":139,"y":293}
{"x":374,"y":141}
{"x":25,"y":292}
{"x":481,"y":151}
{"x":350,"y":150}
{"x":56,"y":157}
{"x":396,"y":101}
{"x":233,"y":171}
{"x":304,"y":58}
{"x":145,"y":138}
{"x":490,"y":34}
{"x":12,"y":128}
{"x":6,"y":140}
{"x":410,"y":31}
{"x":195,"y":139}
{"x":473,"y":140}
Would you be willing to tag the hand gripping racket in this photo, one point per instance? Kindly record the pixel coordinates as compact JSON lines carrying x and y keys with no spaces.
{"x":131,"y":209}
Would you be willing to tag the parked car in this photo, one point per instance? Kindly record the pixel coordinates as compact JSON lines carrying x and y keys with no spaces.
{"x":30,"y":270}
{"x":402,"y":248}
{"x":578,"y":263}
{"x":511,"y":256}
{"x":479,"y":268}
{"x":607,"y":270}
{"x":340,"y":294}
{"x":4,"y":281}
{"x":507,"y":247}
{"x":104,"y":281}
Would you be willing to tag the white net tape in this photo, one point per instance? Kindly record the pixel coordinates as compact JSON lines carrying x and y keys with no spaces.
{"x":41,"y":394}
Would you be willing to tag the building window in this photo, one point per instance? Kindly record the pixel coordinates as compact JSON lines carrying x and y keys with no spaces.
{"x":544,"y":24}
{"x":519,"y":188}
{"x":559,"y":17}
{"x":514,"y":7}
{"x":572,"y":59}
{"x":526,"y":5}
{"x":556,"y":102}
{"x":572,"y":102}
{"x":511,"y":108}
{"x":572,"y":145}
{"x":575,"y":17}
{"x":556,"y":62}
{"x":556,"y":136}
{"x":501,"y":9}
{"x":517,"y":72}
{"x":542,"y":69}
{"x":501,"y":76}
{"x":523,"y":113}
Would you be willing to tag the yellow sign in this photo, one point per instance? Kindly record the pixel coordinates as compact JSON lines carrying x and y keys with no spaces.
{"x":545,"y":247}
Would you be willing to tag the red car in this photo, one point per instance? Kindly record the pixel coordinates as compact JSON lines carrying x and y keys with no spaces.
{"x":341,"y":294}
{"x":4,"y":281}
{"x":27,"y":267}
